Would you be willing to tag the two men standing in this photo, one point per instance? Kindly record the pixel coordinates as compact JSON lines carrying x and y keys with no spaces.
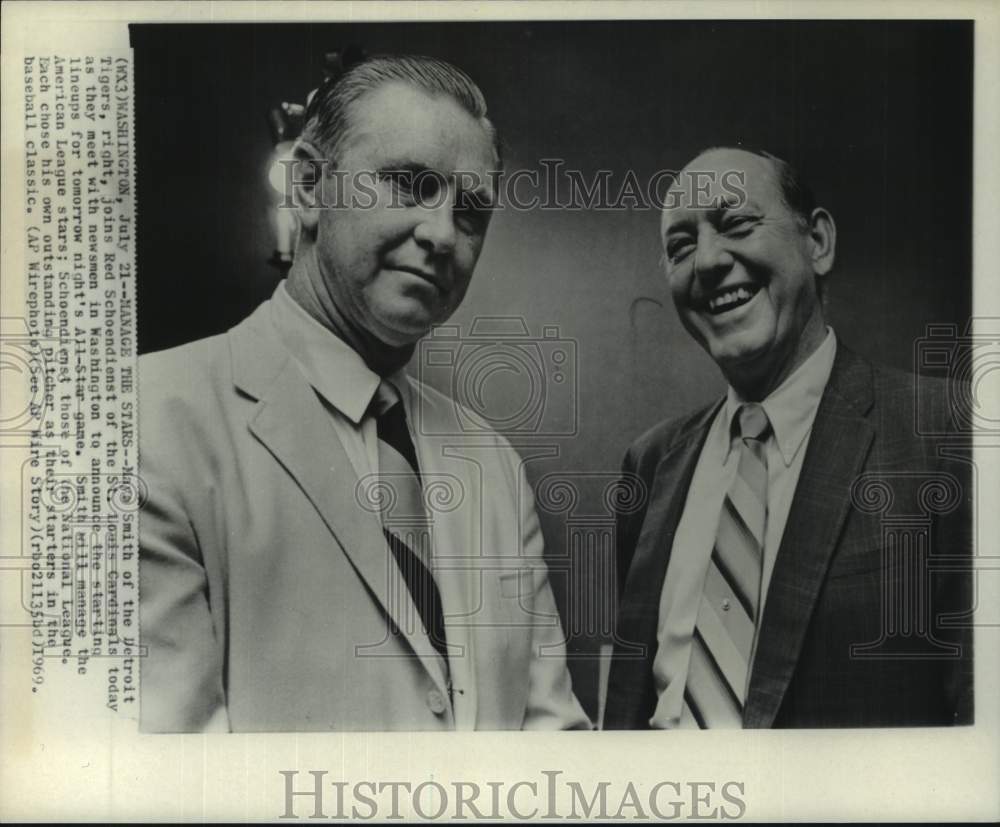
{"x":280,"y":593}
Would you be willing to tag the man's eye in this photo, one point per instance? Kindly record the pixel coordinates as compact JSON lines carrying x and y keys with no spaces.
{"x":401,"y":182}
{"x":738,"y":224}
{"x":427,"y":187}
{"x":473,"y":209}
{"x":678,"y":249}
{"x":471,"y":220}
{"x":422,"y":187}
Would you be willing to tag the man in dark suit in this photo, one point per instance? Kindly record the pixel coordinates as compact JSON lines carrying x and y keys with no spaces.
{"x":799,"y":559}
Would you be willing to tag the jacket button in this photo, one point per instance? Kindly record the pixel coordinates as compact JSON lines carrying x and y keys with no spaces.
{"x":436,"y":702}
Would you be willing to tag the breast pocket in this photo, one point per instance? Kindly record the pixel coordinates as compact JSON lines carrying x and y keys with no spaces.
{"x":882,"y":558}
{"x":859,"y":550}
{"x":865,"y":561}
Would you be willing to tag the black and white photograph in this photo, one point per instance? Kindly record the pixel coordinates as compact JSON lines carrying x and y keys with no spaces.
{"x":394,"y":384}
{"x":541,"y":231}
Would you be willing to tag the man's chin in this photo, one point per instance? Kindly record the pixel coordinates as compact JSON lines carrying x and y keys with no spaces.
{"x":400,"y":336}
{"x":405,"y":329}
{"x":738,"y":357}
{"x":733,"y":344}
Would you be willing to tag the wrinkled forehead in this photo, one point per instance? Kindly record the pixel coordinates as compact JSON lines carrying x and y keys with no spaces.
{"x":720,"y":179}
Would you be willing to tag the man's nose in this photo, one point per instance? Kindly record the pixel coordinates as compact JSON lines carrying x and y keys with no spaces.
{"x":711,"y":258}
{"x":435,"y":230}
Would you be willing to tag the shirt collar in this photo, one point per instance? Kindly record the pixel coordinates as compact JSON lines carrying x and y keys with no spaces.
{"x":330,"y":365}
{"x":791,"y":407}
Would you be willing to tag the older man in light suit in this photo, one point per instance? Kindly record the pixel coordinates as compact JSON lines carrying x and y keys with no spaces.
{"x":802,"y":560}
{"x":281,"y":590}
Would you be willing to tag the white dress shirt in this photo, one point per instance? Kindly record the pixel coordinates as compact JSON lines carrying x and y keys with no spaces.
{"x":791,"y":409}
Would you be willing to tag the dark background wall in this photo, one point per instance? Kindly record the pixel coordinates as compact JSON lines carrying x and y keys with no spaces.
{"x":878,"y":114}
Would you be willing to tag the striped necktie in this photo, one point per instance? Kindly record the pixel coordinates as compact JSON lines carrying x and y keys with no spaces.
{"x":404,"y":519}
{"x":721,"y":650}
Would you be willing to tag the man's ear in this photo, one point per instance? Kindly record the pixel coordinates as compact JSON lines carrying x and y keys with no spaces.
{"x":823,"y":235}
{"x":307,"y":184}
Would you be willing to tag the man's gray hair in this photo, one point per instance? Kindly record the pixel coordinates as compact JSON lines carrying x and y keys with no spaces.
{"x":329,"y":122}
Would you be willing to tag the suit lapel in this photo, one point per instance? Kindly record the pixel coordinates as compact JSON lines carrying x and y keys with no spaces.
{"x":631,"y":681}
{"x":291,"y":423}
{"x":840,"y":440}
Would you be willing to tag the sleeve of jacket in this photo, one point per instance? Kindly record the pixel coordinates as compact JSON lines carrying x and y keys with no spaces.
{"x":551,"y":702}
{"x":181,"y":683}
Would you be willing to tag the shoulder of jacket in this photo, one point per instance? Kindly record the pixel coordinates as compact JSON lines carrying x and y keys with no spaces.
{"x":174,"y":383}
{"x":667,"y":433}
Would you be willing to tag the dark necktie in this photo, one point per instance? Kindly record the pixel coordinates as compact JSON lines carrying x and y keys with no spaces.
{"x":728,"y":613}
{"x":404,"y":520}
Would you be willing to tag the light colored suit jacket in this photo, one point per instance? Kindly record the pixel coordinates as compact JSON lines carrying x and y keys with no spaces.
{"x":269,"y":599}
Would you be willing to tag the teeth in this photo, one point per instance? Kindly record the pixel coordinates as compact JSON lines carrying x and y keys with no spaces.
{"x":739,"y":294}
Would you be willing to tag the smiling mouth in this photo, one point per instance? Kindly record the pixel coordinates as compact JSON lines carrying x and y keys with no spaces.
{"x":722,"y":301}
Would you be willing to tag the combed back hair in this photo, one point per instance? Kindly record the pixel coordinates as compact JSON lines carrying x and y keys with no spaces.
{"x":795,"y":192}
{"x":329,"y":114}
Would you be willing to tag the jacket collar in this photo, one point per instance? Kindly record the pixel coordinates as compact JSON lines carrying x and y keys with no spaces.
{"x":291,"y":423}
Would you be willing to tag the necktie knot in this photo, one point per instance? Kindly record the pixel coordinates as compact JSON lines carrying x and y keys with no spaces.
{"x":753,"y":421}
{"x":385,"y":398}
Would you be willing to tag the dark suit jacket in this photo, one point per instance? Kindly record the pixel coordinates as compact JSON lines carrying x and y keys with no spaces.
{"x":866,"y":617}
